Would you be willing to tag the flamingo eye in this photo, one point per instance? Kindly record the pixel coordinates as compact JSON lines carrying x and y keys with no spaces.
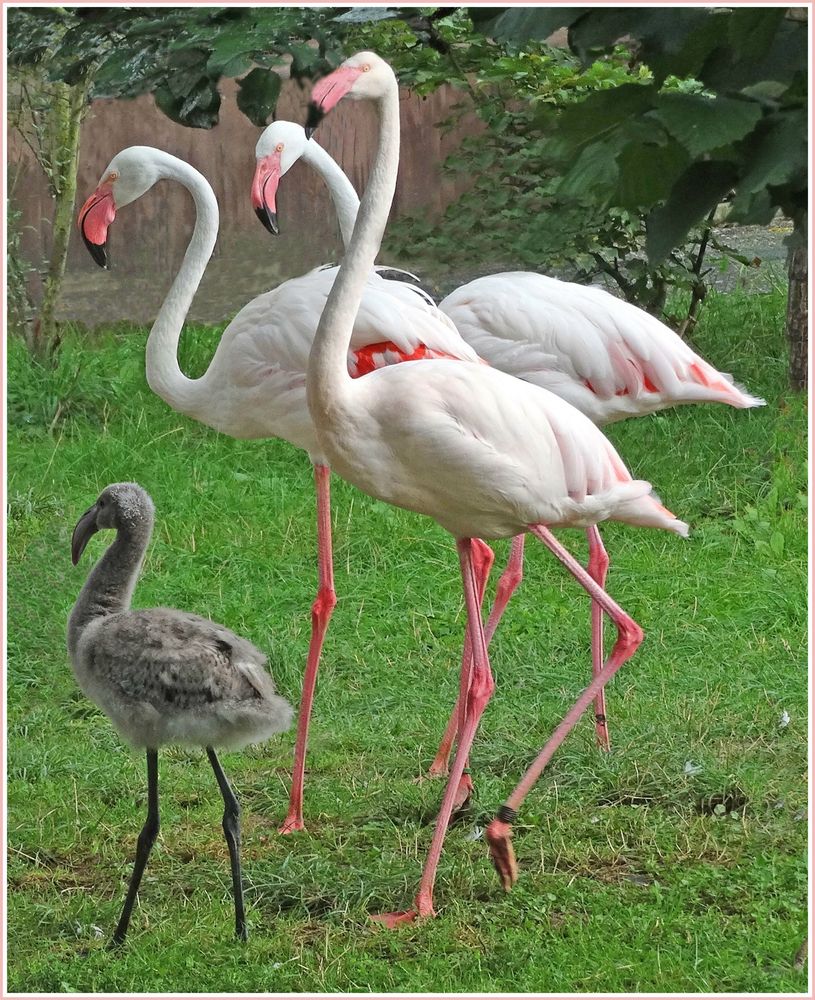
{"x":113,"y":175}
{"x":366,"y":68}
{"x":279,"y":148}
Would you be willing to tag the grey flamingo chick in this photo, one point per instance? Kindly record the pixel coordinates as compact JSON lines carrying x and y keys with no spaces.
{"x":162,"y":675}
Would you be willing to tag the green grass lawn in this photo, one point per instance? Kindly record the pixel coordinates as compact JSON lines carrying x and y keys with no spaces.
{"x":674,"y":863}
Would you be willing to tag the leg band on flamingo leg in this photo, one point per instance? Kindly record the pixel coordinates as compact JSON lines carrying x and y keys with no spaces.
{"x":629,"y":636}
{"x":321,"y":612}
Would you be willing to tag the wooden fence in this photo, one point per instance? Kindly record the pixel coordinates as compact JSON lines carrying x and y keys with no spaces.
{"x":148,"y":239}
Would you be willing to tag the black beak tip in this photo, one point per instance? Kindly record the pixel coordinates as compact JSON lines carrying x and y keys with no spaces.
{"x":315,"y":116}
{"x":269,"y":220}
{"x":98,"y":251}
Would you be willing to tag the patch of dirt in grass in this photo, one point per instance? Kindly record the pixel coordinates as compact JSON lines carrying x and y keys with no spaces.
{"x":62,"y":871}
{"x":725,"y":802}
{"x":404,"y":813}
{"x":315,"y":906}
{"x":627,"y":798}
{"x":731,"y":800}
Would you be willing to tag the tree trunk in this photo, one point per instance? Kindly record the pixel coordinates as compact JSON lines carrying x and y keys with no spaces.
{"x":69,"y":109}
{"x":797,"y":313}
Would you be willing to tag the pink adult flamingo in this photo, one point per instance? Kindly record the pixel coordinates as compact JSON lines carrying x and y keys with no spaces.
{"x":484,"y":454}
{"x":254,"y":386}
{"x":606,"y":357}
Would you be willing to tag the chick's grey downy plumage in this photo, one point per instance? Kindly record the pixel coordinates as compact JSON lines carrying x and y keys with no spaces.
{"x":162,"y":675}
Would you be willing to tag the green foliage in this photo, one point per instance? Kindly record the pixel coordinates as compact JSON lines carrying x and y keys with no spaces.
{"x":179,"y":54}
{"x":45,"y":397}
{"x":745,"y":130}
{"x":693,"y":878}
{"x":258,"y":92}
{"x":535,"y":200}
{"x":19,"y":310}
{"x":47,"y":117}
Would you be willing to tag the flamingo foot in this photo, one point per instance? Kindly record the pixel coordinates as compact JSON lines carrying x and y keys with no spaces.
{"x":423,"y":908}
{"x":499,"y":839}
{"x":291,"y":824}
{"x":393,"y":920}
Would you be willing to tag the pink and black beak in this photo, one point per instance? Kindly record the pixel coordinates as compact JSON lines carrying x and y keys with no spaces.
{"x":93,"y":220}
{"x":327,"y":93}
{"x":86,"y":528}
{"x":264,"y":191}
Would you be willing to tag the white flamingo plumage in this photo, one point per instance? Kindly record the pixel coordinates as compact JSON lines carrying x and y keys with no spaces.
{"x":608,"y":358}
{"x":603,"y":355}
{"x":482,"y":453}
{"x":255,"y":385}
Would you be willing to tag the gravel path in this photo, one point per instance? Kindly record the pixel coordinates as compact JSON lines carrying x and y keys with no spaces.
{"x":762,"y":244}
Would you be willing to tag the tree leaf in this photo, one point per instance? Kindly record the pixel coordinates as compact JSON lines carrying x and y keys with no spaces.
{"x":594,"y":168}
{"x":756,"y":209}
{"x":258,"y":93}
{"x":704,"y":123}
{"x":518,"y":24}
{"x":751,"y":30}
{"x":230,"y":48}
{"x":602,"y":110}
{"x":647,"y":172}
{"x":778,"y":154}
{"x":198,"y":109}
{"x":782,"y":61}
{"x":695,"y":193}
{"x":185,"y":70}
{"x":669,"y":40}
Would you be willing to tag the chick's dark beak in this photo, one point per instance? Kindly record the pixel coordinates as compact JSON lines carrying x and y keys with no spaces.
{"x":85,"y":527}
{"x":315,"y":116}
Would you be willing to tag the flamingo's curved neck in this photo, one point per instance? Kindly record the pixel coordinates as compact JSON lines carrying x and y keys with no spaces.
{"x":328,"y":384}
{"x":345,"y":198}
{"x":110,"y":584}
{"x":164,"y":375}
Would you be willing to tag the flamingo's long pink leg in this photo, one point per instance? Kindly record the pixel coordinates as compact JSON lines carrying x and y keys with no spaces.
{"x":629,"y":636}
{"x":321,"y":612}
{"x":598,"y":567}
{"x":479,"y":690}
{"x":482,"y":558}
{"x":439,"y":765}
{"x":507,"y":584}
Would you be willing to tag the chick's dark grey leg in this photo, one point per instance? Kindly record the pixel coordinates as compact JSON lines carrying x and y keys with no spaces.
{"x":232,"y":832}
{"x":144,"y":845}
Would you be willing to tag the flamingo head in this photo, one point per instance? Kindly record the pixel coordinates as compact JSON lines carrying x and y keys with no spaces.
{"x":363,"y":77}
{"x":280,"y":146}
{"x":118,"y":506}
{"x":127,"y":177}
